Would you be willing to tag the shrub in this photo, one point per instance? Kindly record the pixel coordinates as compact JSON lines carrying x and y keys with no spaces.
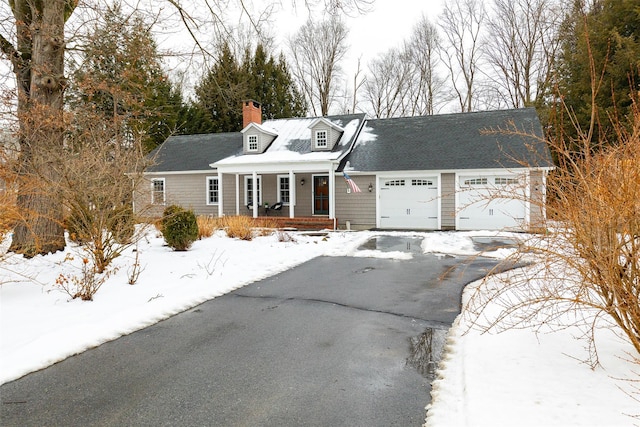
{"x":240,"y":227}
{"x":121,"y":224}
{"x":180,"y":228}
{"x":207,"y":225}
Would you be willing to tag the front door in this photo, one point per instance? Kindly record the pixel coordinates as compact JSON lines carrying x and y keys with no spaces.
{"x":321,"y":195}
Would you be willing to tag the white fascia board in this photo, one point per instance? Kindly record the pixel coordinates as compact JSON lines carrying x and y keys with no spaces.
{"x":261,"y":129}
{"x":281,"y":167}
{"x":156,"y":173}
{"x":327,"y":122}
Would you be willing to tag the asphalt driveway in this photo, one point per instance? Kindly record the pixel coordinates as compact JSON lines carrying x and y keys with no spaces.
{"x":335,"y":341}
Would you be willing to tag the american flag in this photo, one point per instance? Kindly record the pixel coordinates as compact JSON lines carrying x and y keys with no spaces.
{"x":354,"y":187}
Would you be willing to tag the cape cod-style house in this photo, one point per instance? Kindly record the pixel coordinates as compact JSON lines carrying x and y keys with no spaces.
{"x":442,"y":172}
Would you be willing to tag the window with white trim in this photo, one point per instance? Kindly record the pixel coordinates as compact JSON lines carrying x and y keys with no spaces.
{"x":252,"y":143}
{"x":248,"y":193}
{"x":283,"y":189}
{"x":395,"y":183}
{"x":420,"y":182}
{"x":157,"y":191}
{"x":213,"y":190}
{"x":475,"y":181}
{"x":321,"y":139}
{"x":505,"y":181}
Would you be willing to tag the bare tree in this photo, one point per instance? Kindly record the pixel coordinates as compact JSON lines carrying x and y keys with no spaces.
{"x":462,"y":22}
{"x":422,"y":50}
{"x":36,"y":48}
{"x":520,"y":46}
{"x":388,"y":84}
{"x":317,"y":49}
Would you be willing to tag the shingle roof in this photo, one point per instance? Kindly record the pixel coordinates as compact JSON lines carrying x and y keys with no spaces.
{"x":449,"y":142}
{"x":194,"y":152}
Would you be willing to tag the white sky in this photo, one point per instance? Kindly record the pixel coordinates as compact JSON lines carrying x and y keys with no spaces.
{"x":387,"y":25}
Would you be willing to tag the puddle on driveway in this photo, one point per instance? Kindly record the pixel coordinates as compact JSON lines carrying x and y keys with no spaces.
{"x":490,"y":244}
{"x":393,"y":244}
{"x":426,"y":351}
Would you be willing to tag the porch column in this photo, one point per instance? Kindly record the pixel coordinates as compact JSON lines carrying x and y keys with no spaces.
{"x":254,"y":196}
{"x":220,"y":193}
{"x":237,"y":194}
{"x":332,"y":193}
{"x":292,"y":194}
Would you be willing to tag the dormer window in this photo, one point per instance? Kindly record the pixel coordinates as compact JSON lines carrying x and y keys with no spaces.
{"x":321,"y":139}
{"x":252,"y":143}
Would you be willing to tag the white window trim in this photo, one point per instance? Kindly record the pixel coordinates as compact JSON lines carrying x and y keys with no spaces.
{"x":326,"y":139}
{"x":153,"y":191}
{"x":280,"y":188}
{"x":249,"y":143}
{"x":246,"y":188}
{"x":207,"y":198}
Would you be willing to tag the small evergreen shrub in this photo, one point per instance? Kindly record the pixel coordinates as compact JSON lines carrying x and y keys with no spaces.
{"x":180,"y":228}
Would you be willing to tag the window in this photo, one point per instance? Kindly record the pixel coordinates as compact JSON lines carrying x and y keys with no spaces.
{"x":252,"y":143}
{"x":157,"y":191}
{"x":248,"y":194}
{"x":506,"y":181}
{"x":395,"y":183}
{"x":213,"y":190}
{"x":321,"y":139}
{"x":475,"y":181}
{"x":421,"y":182}
{"x":283,"y":189}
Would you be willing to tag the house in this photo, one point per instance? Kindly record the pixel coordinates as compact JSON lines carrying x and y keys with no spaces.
{"x":443,"y":172}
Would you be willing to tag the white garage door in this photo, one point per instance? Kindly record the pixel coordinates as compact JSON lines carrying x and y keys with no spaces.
{"x":409,"y":203}
{"x":491,"y":202}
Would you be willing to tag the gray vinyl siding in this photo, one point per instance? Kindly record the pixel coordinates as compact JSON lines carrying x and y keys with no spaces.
{"x":186,"y":190}
{"x":448,"y":201}
{"x":229,"y":195}
{"x":357,"y":208}
{"x":537,"y":199}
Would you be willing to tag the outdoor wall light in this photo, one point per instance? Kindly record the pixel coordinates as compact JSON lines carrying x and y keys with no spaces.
{"x":302,"y":181}
{"x":370,"y":187}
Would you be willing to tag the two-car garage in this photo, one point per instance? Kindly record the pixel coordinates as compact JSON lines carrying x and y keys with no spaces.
{"x":478,"y":202}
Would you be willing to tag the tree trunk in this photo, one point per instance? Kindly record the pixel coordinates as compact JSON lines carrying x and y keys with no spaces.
{"x":40,"y":112}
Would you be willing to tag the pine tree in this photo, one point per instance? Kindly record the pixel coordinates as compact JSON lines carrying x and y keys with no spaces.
{"x":121,"y":75}
{"x":607,"y":33}
{"x":258,"y":76}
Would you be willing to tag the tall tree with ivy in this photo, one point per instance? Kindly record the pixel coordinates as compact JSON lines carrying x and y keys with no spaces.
{"x":258,"y":76}
{"x":600,"y":49}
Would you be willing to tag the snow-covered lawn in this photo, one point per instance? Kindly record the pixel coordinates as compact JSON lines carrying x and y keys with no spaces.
{"x":513,"y":378}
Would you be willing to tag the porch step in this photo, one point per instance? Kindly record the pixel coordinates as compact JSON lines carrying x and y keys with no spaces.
{"x":304,"y":223}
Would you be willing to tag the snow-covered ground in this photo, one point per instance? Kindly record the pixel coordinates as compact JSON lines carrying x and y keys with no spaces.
{"x":513,"y":378}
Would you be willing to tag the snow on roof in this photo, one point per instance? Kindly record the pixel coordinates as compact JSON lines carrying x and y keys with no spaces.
{"x":293,"y":141}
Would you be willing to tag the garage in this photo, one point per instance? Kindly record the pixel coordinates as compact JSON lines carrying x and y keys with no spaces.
{"x":491,"y":202}
{"x":409,"y":203}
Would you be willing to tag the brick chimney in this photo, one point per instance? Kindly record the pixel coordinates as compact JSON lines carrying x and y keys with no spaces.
{"x":251,"y":113}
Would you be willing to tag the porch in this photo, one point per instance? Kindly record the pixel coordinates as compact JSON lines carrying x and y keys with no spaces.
{"x":299,"y":223}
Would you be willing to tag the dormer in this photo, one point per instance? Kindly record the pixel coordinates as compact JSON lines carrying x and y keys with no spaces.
{"x":256,"y":139}
{"x":324,"y":134}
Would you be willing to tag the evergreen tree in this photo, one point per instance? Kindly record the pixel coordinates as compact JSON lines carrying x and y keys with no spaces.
{"x":122,"y":76}
{"x":257,"y":76}
{"x":607,"y":33}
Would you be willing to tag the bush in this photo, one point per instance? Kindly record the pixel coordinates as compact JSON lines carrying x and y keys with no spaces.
{"x":207,"y":225}
{"x":121,"y":224}
{"x":240,"y":227}
{"x":179,"y":227}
